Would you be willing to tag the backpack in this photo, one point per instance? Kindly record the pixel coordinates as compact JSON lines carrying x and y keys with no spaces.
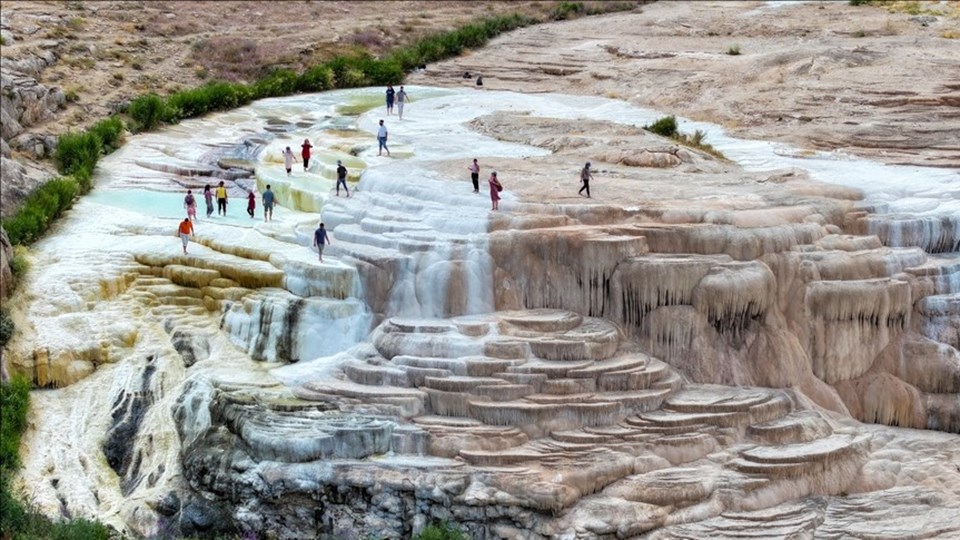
{"x":499,"y":186}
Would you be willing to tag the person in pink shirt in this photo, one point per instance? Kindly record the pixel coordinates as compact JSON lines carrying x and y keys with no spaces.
{"x":495,"y":188}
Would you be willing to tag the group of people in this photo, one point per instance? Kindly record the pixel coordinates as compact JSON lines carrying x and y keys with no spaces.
{"x":586,"y":175}
{"x":186,"y":229}
{"x":400,"y":97}
{"x":321,"y":238}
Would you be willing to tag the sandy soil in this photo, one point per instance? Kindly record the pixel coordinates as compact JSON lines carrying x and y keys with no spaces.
{"x":875,"y":81}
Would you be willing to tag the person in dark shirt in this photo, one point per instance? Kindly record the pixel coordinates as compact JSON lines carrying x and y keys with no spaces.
{"x":320,"y":239}
{"x":342,"y":178}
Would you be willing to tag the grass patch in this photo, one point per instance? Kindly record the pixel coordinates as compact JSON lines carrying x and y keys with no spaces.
{"x":441,"y":531}
{"x":734,"y":50}
{"x":667,"y":127}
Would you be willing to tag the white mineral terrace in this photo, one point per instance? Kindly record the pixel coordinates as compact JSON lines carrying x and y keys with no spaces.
{"x":550,"y":370}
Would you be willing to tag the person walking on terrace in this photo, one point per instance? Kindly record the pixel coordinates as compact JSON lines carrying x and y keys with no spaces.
{"x":288,"y":160}
{"x":185,"y":231}
{"x":495,"y":188}
{"x":390,"y":94}
{"x":251,"y":203}
{"x":382,"y":139}
{"x":221,"y":199}
{"x":342,"y":178}
{"x":320,"y":239}
{"x":190,"y":203}
{"x":474,"y":169}
{"x":401,"y":99}
{"x":585,"y":177}
{"x":305,"y":153}
{"x":208,"y":197}
{"x":268,"y":204}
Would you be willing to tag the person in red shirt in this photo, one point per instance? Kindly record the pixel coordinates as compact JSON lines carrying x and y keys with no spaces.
{"x":186,"y":230}
{"x":305,"y":153}
{"x":251,"y":203}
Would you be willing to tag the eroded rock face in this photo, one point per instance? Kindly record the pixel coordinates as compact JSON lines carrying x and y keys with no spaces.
{"x":537,"y":421}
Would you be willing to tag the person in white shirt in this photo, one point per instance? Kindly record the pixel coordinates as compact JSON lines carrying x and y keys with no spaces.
{"x":382,"y":139}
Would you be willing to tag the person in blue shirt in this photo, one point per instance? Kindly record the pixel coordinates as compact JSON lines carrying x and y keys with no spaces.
{"x":320,"y":239}
{"x":268,"y":204}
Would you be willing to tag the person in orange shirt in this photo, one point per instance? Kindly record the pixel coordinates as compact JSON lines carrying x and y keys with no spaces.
{"x":186,"y":230}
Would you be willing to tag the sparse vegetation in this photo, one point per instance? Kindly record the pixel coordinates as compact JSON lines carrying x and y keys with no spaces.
{"x":734,"y":50}
{"x":441,"y":531}
{"x":71,"y":95}
{"x":17,"y":520}
{"x":667,"y":127}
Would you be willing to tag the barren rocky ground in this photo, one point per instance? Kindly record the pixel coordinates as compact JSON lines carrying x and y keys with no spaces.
{"x":875,"y":80}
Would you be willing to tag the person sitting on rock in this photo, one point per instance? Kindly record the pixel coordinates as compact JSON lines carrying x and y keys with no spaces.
{"x":479,"y":80}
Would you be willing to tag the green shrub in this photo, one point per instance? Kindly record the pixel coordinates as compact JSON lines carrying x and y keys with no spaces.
{"x":45,"y":204}
{"x":6,"y":327}
{"x":734,"y":50}
{"x":213,"y":96}
{"x":281,"y":82}
{"x":110,"y":132}
{"x":19,"y":264}
{"x":147,"y":111}
{"x":14,"y":401}
{"x":77,"y":152}
{"x":441,"y":531}
{"x":316,"y":79}
{"x":567,"y":10}
{"x":665,"y":127}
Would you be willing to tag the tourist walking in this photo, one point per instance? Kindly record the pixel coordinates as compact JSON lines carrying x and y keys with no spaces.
{"x":185,"y":231}
{"x":382,"y":139}
{"x":401,"y":99}
{"x":190,"y":203}
{"x":221,"y":199}
{"x":305,"y":153}
{"x":288,"y":160}
{"x":320,"y":239}
{"x":208,"y":197}
{"x":495,"y":188}
{"x":585,"y":177}
{"x":251,"y":203}
{"x":268,"y":204}
{"x":474,"y":169}
{"x":390,"y":93}
{"x":342,"y":178}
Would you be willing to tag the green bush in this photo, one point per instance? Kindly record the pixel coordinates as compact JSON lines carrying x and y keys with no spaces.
{"x":281,"y":82}
{"x":213,"y":96}
{"x":316,"y":79}
{"x":14,"y":400}
{"x":6,"y":327}
{"x":77,"y":152}
{"x":665,"y":127}
{"x":147,"y":111}
{"x":110,"y":132}
{"x":441,"y":531}
{"x":734,"y":50}
{"x":41,"y":207}
{"x":567,"y":10}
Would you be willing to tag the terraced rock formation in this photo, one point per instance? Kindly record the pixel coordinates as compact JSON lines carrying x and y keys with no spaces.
{"x":528,"y":424}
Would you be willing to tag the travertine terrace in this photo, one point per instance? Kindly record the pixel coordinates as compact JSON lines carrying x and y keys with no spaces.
{"x":765,"y":345}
